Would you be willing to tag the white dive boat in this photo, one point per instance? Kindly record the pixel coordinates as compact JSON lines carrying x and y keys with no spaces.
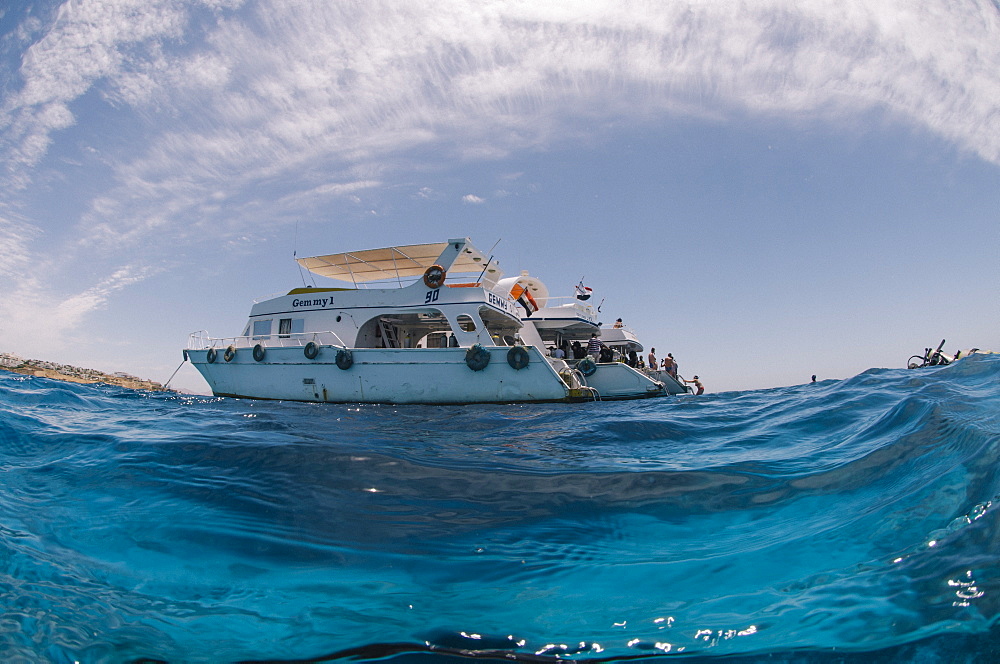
{"x":428,"y":323}
{"x":568,"y":323}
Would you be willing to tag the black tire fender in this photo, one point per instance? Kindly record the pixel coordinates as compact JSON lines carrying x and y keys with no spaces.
{"x":477,"y":357}
{"x":345,"y":359}
{"x":518,"y":358}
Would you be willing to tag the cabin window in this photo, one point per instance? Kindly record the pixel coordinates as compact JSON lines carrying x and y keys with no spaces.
{"x":290,"y":326}
{"x":466,"y":323}
{"x":262,"y":329}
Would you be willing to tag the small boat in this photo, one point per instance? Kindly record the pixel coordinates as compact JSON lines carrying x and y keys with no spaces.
{"x":418,"y":324}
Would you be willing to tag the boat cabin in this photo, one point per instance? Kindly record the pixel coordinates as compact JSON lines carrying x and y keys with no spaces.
{"x":435,"y":295}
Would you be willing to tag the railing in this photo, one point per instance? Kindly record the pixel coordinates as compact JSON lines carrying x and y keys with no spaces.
{"x":563,"y":300}
{"x":200,"y":340}
{"x":566,"y":304}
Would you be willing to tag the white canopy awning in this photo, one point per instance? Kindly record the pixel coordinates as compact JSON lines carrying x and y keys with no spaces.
{"x":395,"y":262}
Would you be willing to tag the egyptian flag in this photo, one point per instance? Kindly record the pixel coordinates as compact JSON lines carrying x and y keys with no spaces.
{"x":583,"y":292}
{"x":523,"y":297}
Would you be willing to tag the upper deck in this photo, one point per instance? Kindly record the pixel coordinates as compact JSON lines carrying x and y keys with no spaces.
{"x":406,"y":264}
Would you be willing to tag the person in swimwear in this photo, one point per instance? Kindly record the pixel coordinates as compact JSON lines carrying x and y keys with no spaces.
{"x":669,"y":365}
{"x":697,"y":384}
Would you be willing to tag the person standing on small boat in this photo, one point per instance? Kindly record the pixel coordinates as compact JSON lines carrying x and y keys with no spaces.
{"x":652,"y":359}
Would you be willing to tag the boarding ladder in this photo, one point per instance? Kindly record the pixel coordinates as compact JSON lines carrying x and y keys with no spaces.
{"x":388,"y":334}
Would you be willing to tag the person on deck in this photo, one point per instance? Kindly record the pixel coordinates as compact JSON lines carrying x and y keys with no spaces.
{"x":619,"y":323}
{"x":594,"y":347}
{"x":652,"y":359}
{"x":670,"y":365}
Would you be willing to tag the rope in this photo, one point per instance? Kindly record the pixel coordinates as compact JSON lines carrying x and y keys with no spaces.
{"x":167,"y":384}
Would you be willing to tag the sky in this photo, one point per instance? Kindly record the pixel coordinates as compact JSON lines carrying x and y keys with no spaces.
{"x":767,"y":190}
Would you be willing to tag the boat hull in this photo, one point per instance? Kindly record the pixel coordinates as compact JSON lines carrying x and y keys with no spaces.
{"x":671,"y":384}
{"x":615,"y":380}
{"x":381,"y":375}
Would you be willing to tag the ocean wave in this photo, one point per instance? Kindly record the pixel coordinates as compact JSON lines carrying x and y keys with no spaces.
{"x":855,"y":516}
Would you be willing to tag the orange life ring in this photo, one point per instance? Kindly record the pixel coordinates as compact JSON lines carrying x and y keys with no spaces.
{"x":434,"y":276}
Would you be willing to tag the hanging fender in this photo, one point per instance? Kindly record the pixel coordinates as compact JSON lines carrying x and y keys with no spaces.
{"x":518,"y":358}
{"x":345,"y":359}
{"x":477,"y":357}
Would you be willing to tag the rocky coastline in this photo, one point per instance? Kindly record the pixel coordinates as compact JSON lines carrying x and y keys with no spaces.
{"x":69,"y":373}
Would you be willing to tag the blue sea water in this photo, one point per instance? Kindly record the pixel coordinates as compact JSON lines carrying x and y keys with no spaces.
{"x":842,"y":521}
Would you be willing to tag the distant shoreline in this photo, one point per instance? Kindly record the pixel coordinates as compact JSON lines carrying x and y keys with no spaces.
{"x":71,"y":374}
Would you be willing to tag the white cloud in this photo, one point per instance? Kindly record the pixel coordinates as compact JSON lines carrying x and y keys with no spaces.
{"x":82,"y":46}
{"x":298,"y":81}
{"x":429,"y":194}
{"x":472,"y":199}
{"x":68,"y":312}
{"x":15,"y":238}
{"x":35,"y":318}
{"x":292,"y":85}
{"x":357,"y":82}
